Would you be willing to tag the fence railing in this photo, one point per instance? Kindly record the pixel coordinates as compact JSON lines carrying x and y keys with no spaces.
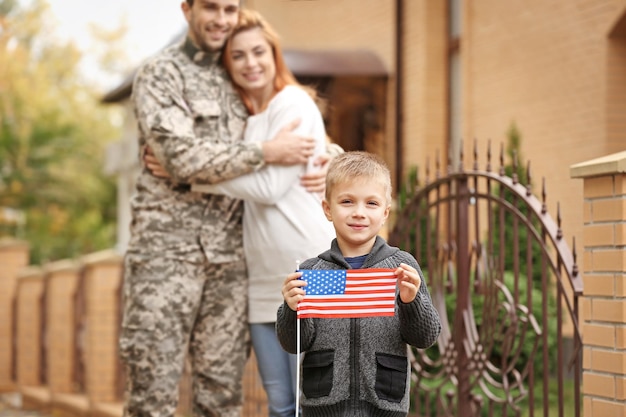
{"x":61,"y":337}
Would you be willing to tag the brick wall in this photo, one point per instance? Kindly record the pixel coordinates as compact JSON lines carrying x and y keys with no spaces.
{"x":59,"y":282}
{"x":13,"y":257}
{"x":603,"y":309}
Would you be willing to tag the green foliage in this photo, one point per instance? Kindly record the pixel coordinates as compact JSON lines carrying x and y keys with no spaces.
{"x":52,"y":138}
{"x":6,"y":6}
{"x":408,"y":188}
{"x":478,"y":307}
{"x":568,"y":402}
{"x":525,"y":341}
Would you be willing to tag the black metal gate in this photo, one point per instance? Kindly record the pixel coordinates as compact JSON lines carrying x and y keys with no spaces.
{"x":506,"y":286}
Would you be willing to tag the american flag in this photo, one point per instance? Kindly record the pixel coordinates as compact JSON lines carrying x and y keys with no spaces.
{"x":348,"y":293}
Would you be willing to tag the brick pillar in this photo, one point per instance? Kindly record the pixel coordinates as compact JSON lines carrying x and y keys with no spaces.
{"x":29,"y":338}
{"x":603,"y":312}
{"x":62,"y":282}
{"x":14,"y":255}
{"x":103,"y":275}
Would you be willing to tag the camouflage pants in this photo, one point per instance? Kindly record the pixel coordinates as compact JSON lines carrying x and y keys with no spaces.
{"x":173,"y":307}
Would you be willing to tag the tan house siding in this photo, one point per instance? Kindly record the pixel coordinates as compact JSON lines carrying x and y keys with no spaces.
{"x":333,"y":24}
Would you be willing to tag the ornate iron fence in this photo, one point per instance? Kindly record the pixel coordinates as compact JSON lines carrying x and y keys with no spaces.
{"x":506,"y":286}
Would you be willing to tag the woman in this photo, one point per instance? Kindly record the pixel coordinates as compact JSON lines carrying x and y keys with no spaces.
{"x":283,"y":223}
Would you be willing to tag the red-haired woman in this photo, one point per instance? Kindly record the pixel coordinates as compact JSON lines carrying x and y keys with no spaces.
{"x":283,"y":223}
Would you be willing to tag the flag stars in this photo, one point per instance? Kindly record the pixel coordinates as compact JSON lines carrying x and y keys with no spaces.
{"x":325,"y":282}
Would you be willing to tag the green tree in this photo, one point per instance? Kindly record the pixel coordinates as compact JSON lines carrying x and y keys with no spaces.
{"x":52,"y":138}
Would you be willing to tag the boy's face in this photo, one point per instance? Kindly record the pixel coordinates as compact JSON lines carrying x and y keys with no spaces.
{"x":358,"y":209}
{"x":211,"y":22}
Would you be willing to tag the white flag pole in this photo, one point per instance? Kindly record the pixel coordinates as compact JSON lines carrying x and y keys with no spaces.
{"x":298,"y":368}
{"x":297,"y":357}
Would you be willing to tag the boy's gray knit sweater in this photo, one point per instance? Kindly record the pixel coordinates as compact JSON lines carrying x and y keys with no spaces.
{"x":359,"y":367}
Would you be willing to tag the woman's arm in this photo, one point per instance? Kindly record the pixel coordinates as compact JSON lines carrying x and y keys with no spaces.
{"x":270,"y":183}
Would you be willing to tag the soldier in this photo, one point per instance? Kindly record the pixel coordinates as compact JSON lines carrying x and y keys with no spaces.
{"x":184,"y":262}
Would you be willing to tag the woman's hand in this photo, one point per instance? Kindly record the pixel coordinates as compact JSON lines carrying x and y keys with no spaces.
{"x":288,"y":148}
{"x":153,"y":165}
{"x":315,"y":182}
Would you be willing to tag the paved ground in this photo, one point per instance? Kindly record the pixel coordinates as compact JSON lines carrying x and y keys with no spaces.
{"x":10,"y":407}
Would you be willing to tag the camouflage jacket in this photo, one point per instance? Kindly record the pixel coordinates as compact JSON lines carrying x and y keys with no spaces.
{"x":190,"y":115}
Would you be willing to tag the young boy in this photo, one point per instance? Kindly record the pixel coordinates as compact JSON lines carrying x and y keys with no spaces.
{"x":359,"y":366}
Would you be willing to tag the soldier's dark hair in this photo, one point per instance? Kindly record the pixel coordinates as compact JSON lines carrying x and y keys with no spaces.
{"x":190,"y":2}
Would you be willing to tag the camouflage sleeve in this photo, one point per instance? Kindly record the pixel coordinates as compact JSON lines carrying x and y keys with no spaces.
{"x":167,"y":124}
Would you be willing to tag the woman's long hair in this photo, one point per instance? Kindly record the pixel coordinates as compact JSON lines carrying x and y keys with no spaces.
{"x":250,"y":19}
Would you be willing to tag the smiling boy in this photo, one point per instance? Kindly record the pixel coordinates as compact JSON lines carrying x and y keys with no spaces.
{"x":359,"y":366}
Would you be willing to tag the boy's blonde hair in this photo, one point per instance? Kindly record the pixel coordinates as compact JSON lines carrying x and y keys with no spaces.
{"x":353,"y":165}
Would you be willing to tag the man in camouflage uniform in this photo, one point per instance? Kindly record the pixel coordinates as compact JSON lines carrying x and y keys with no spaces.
{"x":184,"y":266}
